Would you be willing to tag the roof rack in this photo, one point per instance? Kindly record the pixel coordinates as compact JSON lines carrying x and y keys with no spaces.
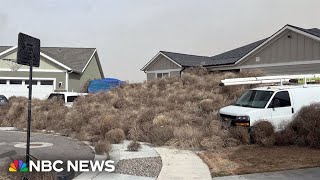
{"x":298,"y":79}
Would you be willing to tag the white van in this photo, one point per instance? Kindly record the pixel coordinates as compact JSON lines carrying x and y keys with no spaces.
{"x":67,"y":97}
{"x":276,"y":104}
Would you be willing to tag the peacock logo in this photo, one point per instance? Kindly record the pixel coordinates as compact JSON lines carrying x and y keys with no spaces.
{"x":18,"y":166}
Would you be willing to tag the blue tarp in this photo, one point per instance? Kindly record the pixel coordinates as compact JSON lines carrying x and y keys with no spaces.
{"x":105,"y":84}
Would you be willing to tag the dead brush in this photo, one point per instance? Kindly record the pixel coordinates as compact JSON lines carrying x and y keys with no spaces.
{"x":115,"y":136}
{"x":187,"y":136}
{"x":240,"y":133}
{"x":102,"y":147}
{"x":134,"y":146}
{"x":305,"y":126}
{"x":263,"y":133}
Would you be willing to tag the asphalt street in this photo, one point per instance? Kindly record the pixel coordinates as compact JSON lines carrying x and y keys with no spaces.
{"x":45,"y":146}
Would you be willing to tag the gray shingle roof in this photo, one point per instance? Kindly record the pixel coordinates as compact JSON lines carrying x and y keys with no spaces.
{"x":313,"y":31}
{"x":229,"y":57}
{"x":186,"y":60}
{"x":74,"y":58}
{"x":3,"y":48}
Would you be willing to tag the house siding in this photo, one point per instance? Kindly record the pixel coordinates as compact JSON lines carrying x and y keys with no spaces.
{"x":298,"y":48}
{"x":161,"y":63}
{"x":44,"y":63}
{"x":91,"y":72}
{"x":175,"y":74}
{"x":151,"y":76}
{"x":59,"y":76}
{"x":289,"y":69}
{"x":74,"y":82}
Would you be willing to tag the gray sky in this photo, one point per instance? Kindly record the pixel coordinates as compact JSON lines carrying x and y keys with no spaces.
{"x":128,"y":33}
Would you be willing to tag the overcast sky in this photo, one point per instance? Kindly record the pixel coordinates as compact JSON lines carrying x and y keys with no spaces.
{"x":128,"y":33}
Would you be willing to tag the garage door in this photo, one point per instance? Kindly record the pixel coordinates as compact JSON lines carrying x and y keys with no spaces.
{"x":19,"y":87}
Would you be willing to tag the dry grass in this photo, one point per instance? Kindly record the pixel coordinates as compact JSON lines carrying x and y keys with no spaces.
{"x":115,"y":135}
{"x":304,"y":129}
{"x":263,"y":133}
{"x":102,"y":147}
{"x":255,"y":159}
{"x":134,"y":146}
{"x":180,"y":112}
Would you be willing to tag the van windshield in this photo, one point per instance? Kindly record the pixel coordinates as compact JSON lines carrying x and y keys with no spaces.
{"x":254,"y":99}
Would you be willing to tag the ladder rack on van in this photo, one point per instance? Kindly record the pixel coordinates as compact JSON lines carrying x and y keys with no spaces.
{"x":271,"y":79}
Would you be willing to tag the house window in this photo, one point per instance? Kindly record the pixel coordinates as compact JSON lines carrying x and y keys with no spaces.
{"x":46,"y":82}
{"x":3,"y":81}
{"x":161,"y":75}
{"x":33,"y":82}
{"x":15,"y":81}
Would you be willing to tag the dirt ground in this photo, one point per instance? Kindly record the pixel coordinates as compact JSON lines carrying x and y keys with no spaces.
{"x":254,"y":159}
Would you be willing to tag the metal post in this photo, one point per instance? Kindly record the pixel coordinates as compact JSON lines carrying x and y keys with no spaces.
{"x":29,"y":115}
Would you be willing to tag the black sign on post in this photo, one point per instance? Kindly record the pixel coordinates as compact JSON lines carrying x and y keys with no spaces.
{"x":29,"y":55}
{"x":28,"y":50}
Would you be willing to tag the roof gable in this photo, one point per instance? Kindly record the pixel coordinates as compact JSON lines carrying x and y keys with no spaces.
{"x":75,"y":59}
{"x":186,"y":59}
{"x":312,"y":33}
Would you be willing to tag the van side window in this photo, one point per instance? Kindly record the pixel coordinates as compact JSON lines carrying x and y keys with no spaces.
{"x":283,"y":97}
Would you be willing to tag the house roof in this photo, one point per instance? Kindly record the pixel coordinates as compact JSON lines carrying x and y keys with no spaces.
{"x":232,"y":56}
{"x":312,"y":31}
{"x":3,"y":48}
{"x":186,"y":59}
{"x":74,"y":58}
{"x":226,"y":58}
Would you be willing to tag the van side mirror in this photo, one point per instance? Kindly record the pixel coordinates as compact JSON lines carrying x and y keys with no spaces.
{"x":276,"y":103}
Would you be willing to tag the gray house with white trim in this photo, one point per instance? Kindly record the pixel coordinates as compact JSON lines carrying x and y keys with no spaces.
{"x":291,"y":50}
{"x":61,"y":69}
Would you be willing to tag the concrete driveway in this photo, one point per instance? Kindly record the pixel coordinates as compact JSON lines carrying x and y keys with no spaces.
{"x":44,"y":147}
{"x":305,"y":174}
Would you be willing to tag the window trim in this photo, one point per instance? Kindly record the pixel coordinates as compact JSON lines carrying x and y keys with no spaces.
{"x":166,"y":72}
{"x":276,"y":92}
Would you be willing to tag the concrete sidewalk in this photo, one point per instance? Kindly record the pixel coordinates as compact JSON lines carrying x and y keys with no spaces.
{"x":305,"y":174}
{"x":181,"y":164}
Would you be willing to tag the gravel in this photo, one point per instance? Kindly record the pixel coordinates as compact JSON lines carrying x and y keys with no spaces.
{"x":149,"y":167}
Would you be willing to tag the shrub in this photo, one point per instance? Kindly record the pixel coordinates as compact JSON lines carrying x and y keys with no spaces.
{"x":206,"y":105}
{"x":102,"y":147}
{"x":115,"y":136}
{"x":134,"y":146}
{"x":84,"y":88}
{"x":212,"y":143}
{"x":161,"y":120}
{"x":240,"y":133}
{"x":261,"y":131}
{"x":304,"y":129}
{"x":188,"y":136}
{"x":160,"y":135}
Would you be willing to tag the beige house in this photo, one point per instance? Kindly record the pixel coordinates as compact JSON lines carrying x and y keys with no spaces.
{"x":61,"y":69}
{"x":291,"y":50}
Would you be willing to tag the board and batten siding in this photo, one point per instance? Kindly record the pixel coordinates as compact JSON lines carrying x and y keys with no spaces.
{"x":289,"y":69}
{"x":161,"y":63}
{"x":289,"y":47}
{"x":91,"y":72}
{"x":151,"y":76}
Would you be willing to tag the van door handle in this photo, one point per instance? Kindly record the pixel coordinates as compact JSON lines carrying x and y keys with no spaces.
{"x":292,"y":110}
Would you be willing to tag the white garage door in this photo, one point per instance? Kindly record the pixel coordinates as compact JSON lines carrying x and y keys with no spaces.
{"x":19,"y":87}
